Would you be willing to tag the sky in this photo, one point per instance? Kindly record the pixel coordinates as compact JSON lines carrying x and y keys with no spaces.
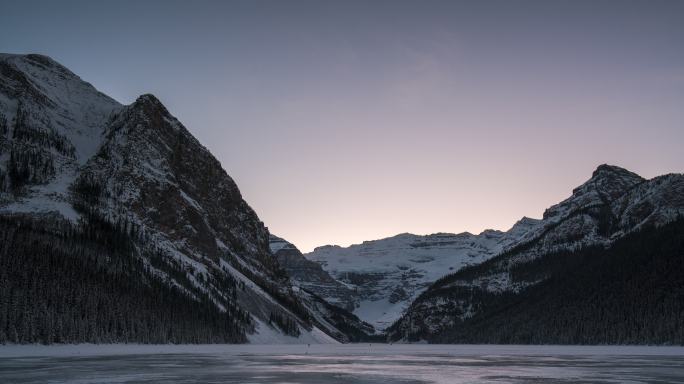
{"x":345,"y":121}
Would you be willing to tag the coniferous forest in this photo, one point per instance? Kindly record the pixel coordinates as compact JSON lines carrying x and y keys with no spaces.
{"x":630,"y":293}
{"x":65,"y":284}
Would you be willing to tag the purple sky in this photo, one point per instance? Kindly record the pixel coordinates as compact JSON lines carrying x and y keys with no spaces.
{"x":347,"y":121}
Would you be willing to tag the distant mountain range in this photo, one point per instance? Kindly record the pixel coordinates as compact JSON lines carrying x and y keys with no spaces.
{"x":117,"y":225}
{"x":399,"y":282}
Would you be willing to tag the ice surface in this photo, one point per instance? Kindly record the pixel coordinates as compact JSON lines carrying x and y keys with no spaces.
{"x":351,"y":363}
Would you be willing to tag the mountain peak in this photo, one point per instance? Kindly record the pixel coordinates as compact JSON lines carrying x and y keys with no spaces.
{"x":607,"y":183}
{"x":611,"y":181}
{"x":526,"y":222}
{"x":148,"y":98}
{"x":606,"y":170}
{"x":150,"y":102}
{"x":150,"y":108}
{"x":38,"y":67}
{"x":47,"y":61}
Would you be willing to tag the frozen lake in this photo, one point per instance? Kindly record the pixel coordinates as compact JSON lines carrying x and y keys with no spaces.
{"x":359,"y":363}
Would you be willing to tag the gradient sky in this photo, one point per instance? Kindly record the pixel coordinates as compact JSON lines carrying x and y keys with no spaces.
{"x":354,"y":120}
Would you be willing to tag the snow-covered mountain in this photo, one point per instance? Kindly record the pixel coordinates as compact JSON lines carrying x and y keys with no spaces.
{"x":612,"y":204}
{"x":384,"y":276}
{"x":113,"y":181}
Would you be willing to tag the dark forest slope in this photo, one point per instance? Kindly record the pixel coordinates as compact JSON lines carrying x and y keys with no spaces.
{"x":63,"y":284}
{"x":630,"y":293}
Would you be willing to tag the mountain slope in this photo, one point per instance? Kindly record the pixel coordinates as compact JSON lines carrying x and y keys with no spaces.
{"x":630,"y":293}
{"x":99,"y":173}
{"x":611,"y":205}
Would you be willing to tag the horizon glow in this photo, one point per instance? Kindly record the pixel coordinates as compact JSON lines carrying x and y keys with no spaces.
{"x":350,"y":121}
